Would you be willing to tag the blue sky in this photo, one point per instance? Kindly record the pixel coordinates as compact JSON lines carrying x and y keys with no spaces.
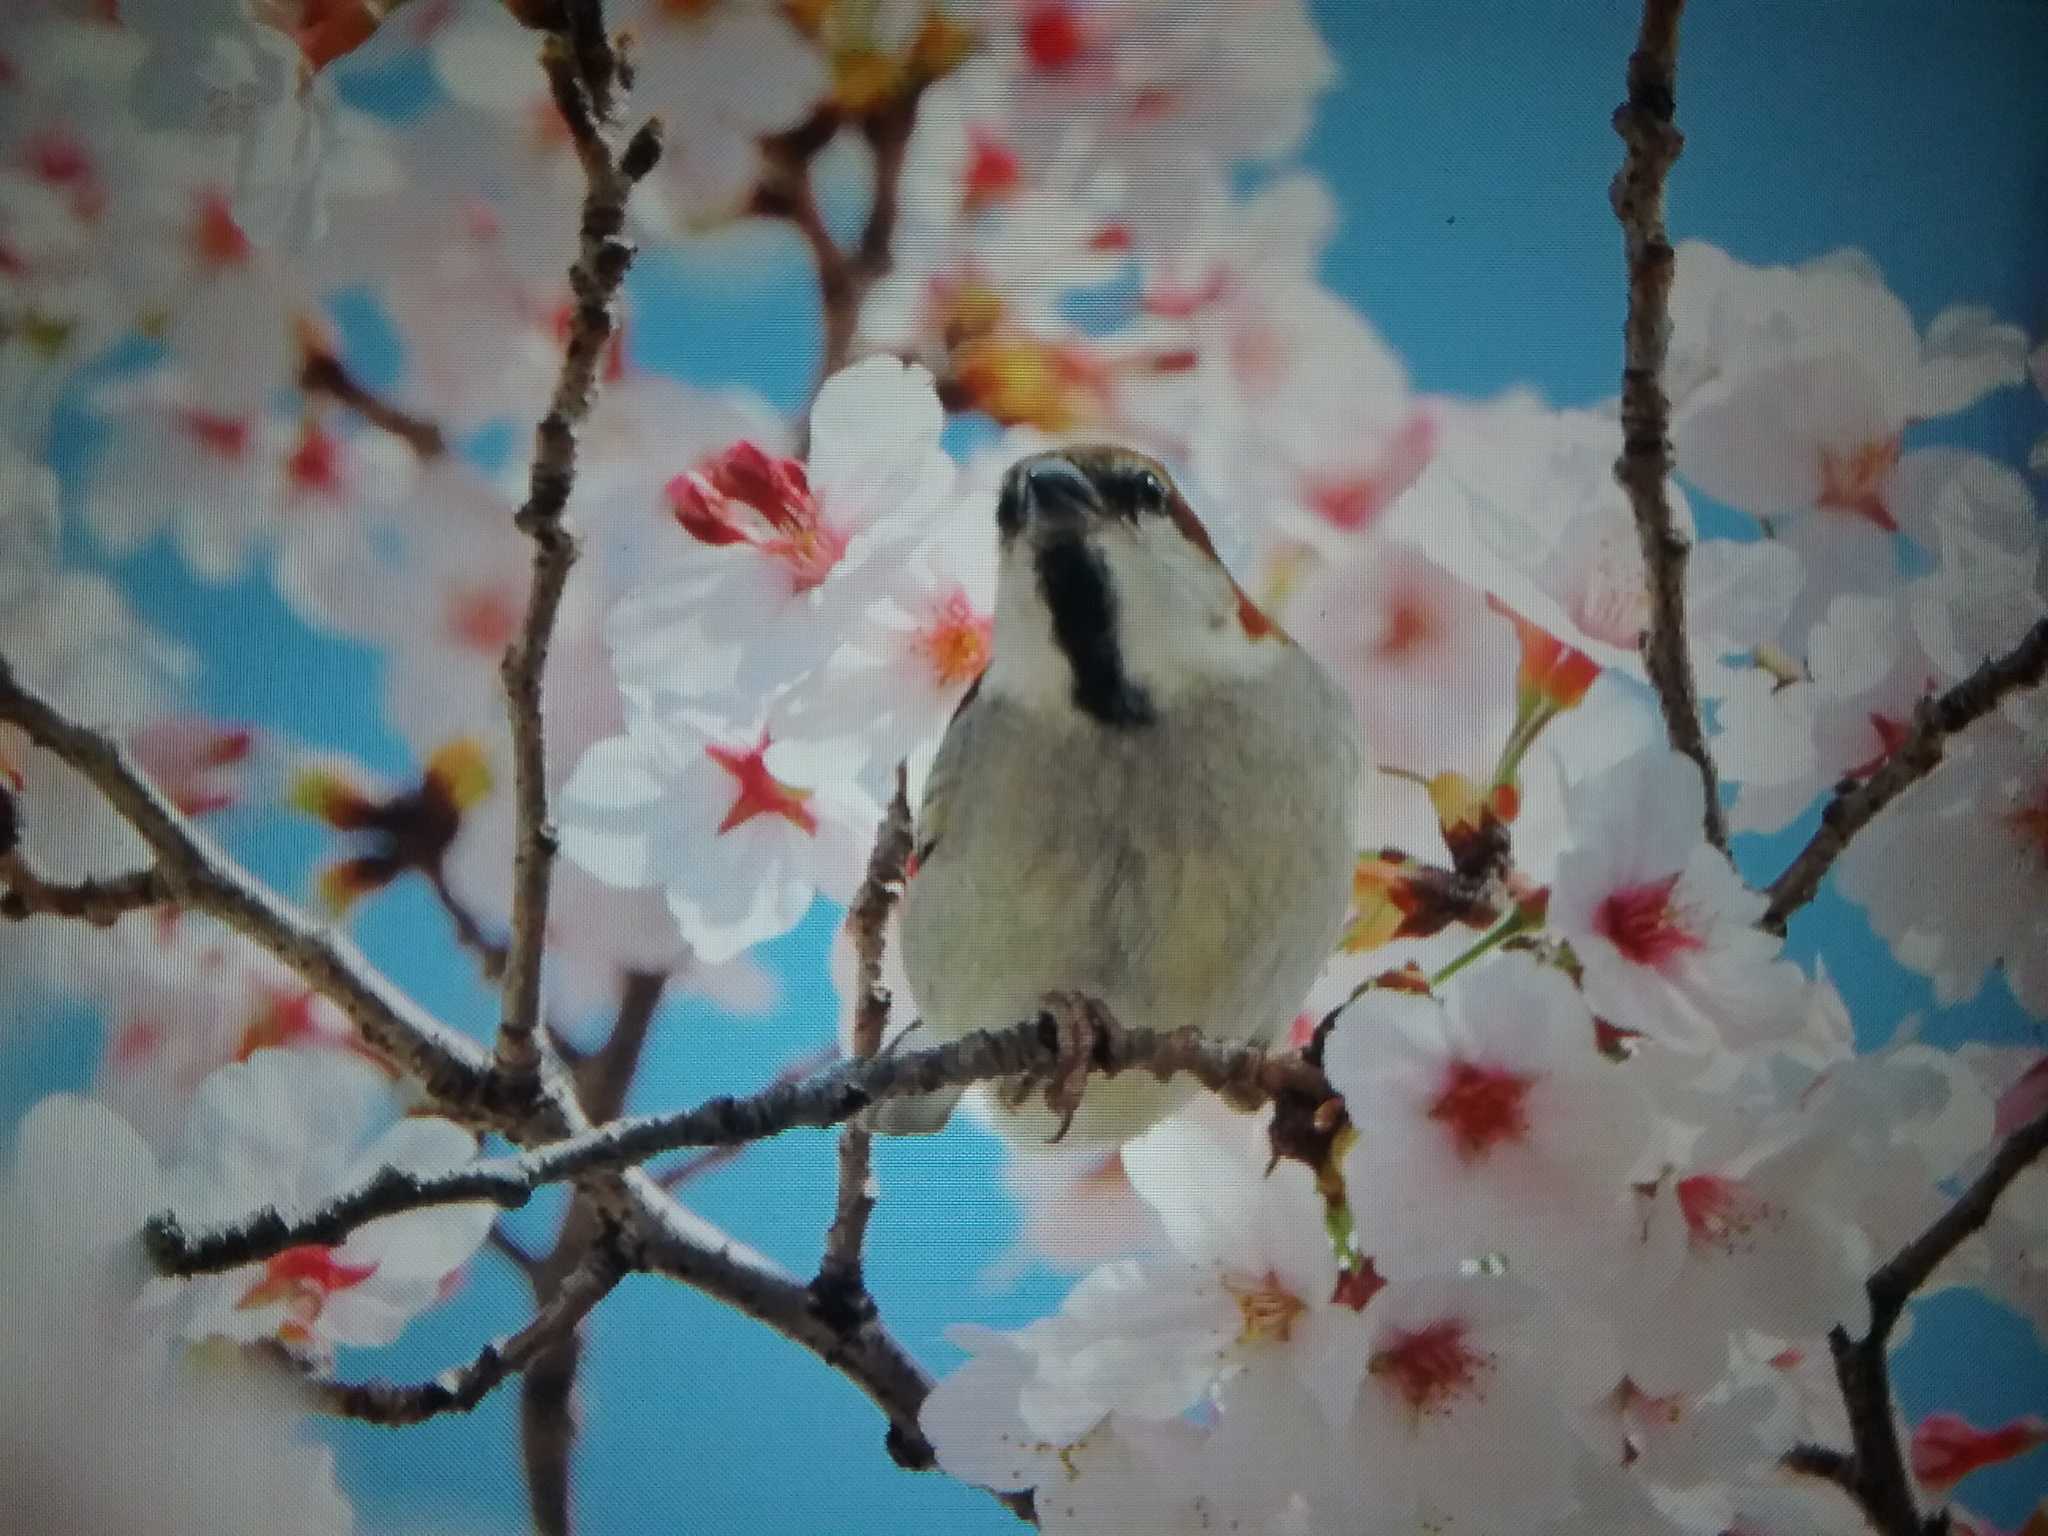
{"x":1470,"y":151}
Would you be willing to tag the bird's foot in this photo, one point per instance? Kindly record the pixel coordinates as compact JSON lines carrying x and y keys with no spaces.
{"x":1080,"y":1024}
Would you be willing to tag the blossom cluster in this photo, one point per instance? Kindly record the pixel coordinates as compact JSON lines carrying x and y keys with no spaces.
{"x":1611,"y":1166}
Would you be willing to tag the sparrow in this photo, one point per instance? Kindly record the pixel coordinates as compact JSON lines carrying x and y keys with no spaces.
{"x":1149,"y":800}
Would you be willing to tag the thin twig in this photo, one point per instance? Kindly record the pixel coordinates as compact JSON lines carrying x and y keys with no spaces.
{"x":322,"y":373}
{"x":469,"y":930}
{"x":461,"y":1388}
{"x":845,"y":276}
{"x":1875,"y":1473}
{"x":1644,"y":122}
{"x":583,"y":69}
{"x":100,"y":902}
{"x":1032,"y":1050}
{"x":839,"y":1282}
{"x":1934,"y":722}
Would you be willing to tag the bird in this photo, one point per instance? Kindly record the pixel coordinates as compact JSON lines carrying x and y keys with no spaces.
{"x":1149,"y":800}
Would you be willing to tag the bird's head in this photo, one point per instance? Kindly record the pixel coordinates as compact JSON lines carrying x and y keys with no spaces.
{"x":1111,"y":599}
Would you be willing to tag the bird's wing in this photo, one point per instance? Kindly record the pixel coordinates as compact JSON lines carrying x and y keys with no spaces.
{"x":934,"y":808}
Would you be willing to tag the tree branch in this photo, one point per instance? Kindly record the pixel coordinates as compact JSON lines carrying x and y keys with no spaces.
{"x":1875,"y":1472}
{"x":461,"y":1388}
{"x":101,"y":902}
{"x":1934,"y":721}
{"x":322,"y":373}
{"x":839,"y":1280}
{"x":1031,"y":1050}
{"x":1644,"y":122}
{"x":584,"y":71}
{"x":197,"y":874}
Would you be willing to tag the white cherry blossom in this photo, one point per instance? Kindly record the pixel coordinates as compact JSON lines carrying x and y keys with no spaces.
{"x":1252,"y":1277}
{"x":291,"y":1128}
{"x":1661,"y":924}
{"x":739,"y":849}
{"x":1975,"y":835}
{"x":770,"y":558}
{"x":107,"y":1427}
{"x":1488,"y":1122}
{"x":1456,"y":1420}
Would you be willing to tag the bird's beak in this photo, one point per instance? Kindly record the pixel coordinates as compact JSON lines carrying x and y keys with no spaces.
{"x":1049,"y":494}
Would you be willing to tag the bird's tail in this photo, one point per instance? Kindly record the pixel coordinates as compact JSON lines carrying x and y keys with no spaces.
{"x":917,"y":1114}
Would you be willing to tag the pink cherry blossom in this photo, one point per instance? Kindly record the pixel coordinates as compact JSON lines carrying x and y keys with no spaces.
{"x":723,"y":75}
{"x":192,"y":998}
{"x":767,"y":559}
{"x":1662,"y":926}
{"x":210,"y":477}
{"x":906,"y":662}
{"x":1306,"y":418}
{"x":1166,"y":99}
{"x":1488,"y":1122}
{"x":1808,"y":379}
{"x":290,"y":1128}
{"x":1429,"y":668}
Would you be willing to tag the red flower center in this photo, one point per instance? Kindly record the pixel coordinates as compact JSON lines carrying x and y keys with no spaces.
{"x":314,"y":466}
{"x":1053,"y":37}
{"x":759,"y":792}
{"x":1482,"y":1107}
{"x":1430,"y":1368}
{"x":226,"y":437}
{"x":1853,"y":482}
{"x":745,"y":496}
{"x":1725,"y":1213}
{"x":993,"y":173}
{"x":302,"y":1279}
{"x":1645,"y":924}
{"x":482,"y":619}
{"x":217,"y":239}
{"x":1410,"y":624}
{"x":955,"y":640}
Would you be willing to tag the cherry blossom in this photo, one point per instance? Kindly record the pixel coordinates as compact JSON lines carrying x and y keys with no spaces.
{"x":192,"y":998}
{"x":1417,"y":650}
{"x":1252,"y":1277}
{"x":1162,"y":100}
{"x":1975,"y":835}
{"x":1743,"y":1233}
{"x":290,"y":1129}
{"x":906,"y":662}
{"x":1522,"y":502}
{"x":1809,"y":377}
{"x":211,"y":478}
{"x":1455,"y":1420}
{"x":1488,"y":1122}
{"x":86,"y":1365}
{"x":739,"y":849}
{"x":1306,"y":413}
{"x":723,"y":75}
{"x":771,"y":557}
{"x":1660,"y":923}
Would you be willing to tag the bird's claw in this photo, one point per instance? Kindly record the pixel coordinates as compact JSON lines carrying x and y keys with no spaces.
{"x":1080,"y":1023}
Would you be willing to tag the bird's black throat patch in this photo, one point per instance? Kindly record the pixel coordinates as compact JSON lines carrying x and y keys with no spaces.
{"x":1077,"y":591}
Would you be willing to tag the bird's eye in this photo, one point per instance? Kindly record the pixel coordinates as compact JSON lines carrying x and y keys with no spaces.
{"x":1142,"y":490}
